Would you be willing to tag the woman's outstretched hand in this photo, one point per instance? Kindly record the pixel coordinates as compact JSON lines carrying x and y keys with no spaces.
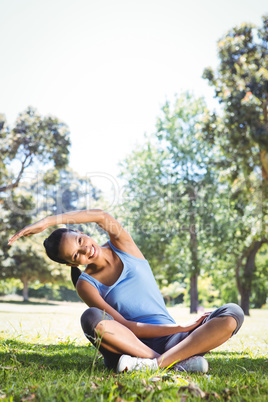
{"x":29,"y":230}
{"x":191,"y":324}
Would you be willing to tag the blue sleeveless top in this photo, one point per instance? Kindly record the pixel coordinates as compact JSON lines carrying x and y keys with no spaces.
{"x":135,"y":294}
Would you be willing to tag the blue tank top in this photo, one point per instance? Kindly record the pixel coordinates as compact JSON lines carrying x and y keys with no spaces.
{"x":135,"y":294}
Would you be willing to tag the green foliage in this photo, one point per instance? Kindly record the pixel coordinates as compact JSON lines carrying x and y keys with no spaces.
{"x":25,"y":260}
{"x":70,"y":192}
{"x":53,"y":292}
{"x":33,"y":140}
{"x":171,"y":192}
{"x":239,"y":136}
{"x":260,"y":279}
{"x":208,"y":293}
{"x":160,"y":174}
{"x":241,"y":83}
{"x":9,"y":286}
{"x":174,"y":292}
{"x":42,"y":142}
{"x":145,"y":207}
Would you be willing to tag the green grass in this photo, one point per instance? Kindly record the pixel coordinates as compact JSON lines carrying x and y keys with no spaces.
{"x":42,"y":366}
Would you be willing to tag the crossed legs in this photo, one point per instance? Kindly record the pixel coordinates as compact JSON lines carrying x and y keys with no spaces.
{"x":205,"y":338}
{"x":117,"y":339}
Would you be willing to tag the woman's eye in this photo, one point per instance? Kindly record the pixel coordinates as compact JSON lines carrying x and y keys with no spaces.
{"x":80,"y":240}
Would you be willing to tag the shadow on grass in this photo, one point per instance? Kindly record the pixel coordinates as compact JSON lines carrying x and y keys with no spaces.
{"x":63,"y":357}
{"x":228,"y":362}
{"x":67,"y":356}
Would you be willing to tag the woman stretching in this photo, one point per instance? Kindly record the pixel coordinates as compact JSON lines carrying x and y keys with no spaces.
{"x":127,"y":319}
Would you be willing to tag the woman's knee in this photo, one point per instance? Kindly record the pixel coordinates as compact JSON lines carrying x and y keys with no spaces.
{"x":91,"y":318}
{"x":234,"y":311}
{"x":230,"y":324}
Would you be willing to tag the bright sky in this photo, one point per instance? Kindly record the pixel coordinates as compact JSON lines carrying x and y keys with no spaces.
{"x":105,"y":67}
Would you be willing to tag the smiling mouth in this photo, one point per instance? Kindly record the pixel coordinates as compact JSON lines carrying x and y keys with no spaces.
{"x":93,"y":250}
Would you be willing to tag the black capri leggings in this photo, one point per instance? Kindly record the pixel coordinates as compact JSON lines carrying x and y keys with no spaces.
{"x":92,"y":316}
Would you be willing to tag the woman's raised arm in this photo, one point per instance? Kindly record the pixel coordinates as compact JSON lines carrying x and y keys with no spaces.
{"x":116,"y":232}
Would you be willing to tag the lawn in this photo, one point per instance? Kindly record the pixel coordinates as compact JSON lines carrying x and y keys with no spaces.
{"x":45,"y":357}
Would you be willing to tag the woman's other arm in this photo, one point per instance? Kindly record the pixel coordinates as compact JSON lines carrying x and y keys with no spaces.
{"x":90,"y":295}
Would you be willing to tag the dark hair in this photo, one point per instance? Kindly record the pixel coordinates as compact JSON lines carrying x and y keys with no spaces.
{"x":75,"y":273}
{"x":52,"y":244}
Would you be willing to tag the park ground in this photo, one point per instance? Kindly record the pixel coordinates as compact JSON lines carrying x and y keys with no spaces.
{"x":44,"y":356}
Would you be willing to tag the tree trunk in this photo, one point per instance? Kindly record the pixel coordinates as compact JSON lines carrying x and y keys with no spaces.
{"x":25,"y":289}
{"x":245,"y":297}
{"x":193,"y":293}
{"x":244,"y":273}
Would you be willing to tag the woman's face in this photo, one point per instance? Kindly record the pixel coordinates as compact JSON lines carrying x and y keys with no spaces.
{"x":78,"y":249}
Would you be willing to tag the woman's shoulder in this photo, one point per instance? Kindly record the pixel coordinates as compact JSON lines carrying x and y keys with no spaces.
{"x":127,"y":250}
{"x":88,"y":278}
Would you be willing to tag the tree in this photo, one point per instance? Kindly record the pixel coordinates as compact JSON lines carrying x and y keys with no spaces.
{"x":240,"y":132}
{"x":70,"y":192}
{"x":145,"y":204}
{"x":170,"y":189}
{"x":26,"y":259}
{"x":192,"y":178}
{"x":33,"y":139}
{"x":42,"y":143}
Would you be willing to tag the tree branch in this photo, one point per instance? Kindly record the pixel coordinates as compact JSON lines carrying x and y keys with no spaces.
{"x":16,"y":182}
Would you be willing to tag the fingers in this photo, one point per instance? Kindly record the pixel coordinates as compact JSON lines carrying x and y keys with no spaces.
{"x":202,"y":317}
{"x":14,"y":238}
{"x":205,"y":314}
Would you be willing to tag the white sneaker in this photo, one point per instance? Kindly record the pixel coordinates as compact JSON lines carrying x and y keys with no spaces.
{"x":129,"y":363}
{"x":195,"y":364}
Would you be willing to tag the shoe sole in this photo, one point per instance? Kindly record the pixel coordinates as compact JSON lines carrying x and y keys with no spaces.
{"x":121,"y":367}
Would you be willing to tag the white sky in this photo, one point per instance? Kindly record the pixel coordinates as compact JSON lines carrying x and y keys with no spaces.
{"x":105,"y":67}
